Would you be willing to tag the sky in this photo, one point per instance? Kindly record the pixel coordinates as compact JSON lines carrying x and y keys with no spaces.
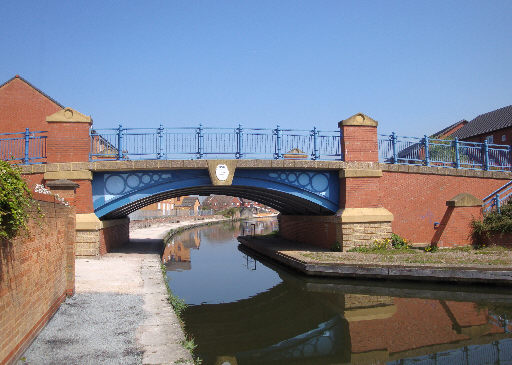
{"x":414,"y":66}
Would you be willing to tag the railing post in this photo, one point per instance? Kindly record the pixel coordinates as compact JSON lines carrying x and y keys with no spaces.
{"x":457,"y":155}
{"x":486,"y":155}
{"x":497,"y":202}
{"x":27,"y":147}
{"x":393,"y":144}
{"x":239,"y":147}
{"x":509,"y":158}
{"x":120,"y":142}
{"x":277,"y":133}
{"x":199,"y":134}
{"x":314,"y":133}
{"x":160,"y":133}
{"x":427,"y":155}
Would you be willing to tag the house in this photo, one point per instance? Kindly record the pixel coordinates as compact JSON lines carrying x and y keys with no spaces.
{"x":22,"y":105}
{"x":190,"y":203}
{"x":221,"y":202}
{"x":495,"y":127}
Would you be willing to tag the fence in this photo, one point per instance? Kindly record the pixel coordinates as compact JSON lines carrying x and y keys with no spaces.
{"x":444,"y":153}
{"x":204,"y":142}
{"x":23,"y":147}
{"x":497,"y":198}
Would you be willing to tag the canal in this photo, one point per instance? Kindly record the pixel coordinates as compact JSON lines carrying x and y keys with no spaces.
{"x":248,"y":310}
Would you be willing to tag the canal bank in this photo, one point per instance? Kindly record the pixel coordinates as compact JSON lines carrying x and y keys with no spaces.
{"x":315,"y":261}
{"x":120,"y":312}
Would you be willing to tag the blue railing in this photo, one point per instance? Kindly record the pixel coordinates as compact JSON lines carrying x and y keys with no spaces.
{"x":496,"y":199}
{"x":205,"y":142}
{"x":444,"y":153}
{"x":27,"y":147}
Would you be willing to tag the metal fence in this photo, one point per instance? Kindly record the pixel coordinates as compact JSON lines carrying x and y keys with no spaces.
{"x":205,"y":142}
{"x":27,"y":147}
{"x":444,"y":153}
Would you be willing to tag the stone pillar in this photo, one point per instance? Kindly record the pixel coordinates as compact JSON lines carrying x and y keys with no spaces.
{"x":361,"y":217}
{"x":455,"y":226}
{"x":95,"y":237}
{"x":68,"y":136}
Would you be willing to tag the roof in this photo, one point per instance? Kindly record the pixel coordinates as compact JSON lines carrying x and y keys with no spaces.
{"x":189,"y":201}
{"x":33,"y":87}
{"x":486,"y":123}
{"x":444,"y":132}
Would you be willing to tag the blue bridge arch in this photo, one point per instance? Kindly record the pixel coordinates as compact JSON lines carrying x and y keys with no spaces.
{"x":300,"y":192}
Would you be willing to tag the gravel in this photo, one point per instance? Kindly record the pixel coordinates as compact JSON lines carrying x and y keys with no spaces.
{"x":91,"y":328}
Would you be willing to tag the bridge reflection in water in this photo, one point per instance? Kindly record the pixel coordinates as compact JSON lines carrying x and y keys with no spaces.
{"x":303,"y":320}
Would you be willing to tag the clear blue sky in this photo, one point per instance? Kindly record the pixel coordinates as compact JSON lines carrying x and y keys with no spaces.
{"x":415,"y":66}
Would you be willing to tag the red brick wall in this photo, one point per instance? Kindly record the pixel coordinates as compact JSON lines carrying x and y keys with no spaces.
{"x":21,"y":106}
{"x":359,"y":143}
{"x":68,"y":142}
{"x":303,"y":229}
{"x":36,"y":272}
{"x":359,"y":192}
{"x":113,"y":237}
{"x":497,"y":135}
{"x":419,"y":200}
{"x":83,"y":197}
{"x":455,"y":226}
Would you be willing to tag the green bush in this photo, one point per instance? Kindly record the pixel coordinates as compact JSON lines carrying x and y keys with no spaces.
{"x":15,"y":201}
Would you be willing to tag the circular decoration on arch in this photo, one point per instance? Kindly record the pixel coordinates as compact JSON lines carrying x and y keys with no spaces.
{"x":304,"y":179}
{"x":282,"y":176}
{"x":320,"y":182}
{"x":114,"y":184}
{"x":132,"y":181}
{"x":146,"y":179}
{"x":292,"y":177}
{"x":156,"y":177}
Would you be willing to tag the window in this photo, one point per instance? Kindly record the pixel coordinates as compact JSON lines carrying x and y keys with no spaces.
{"x":503,"y":138}
{"x":489,"y":139}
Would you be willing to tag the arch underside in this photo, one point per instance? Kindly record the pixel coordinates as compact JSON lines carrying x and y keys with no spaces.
{"x":285,"y":203}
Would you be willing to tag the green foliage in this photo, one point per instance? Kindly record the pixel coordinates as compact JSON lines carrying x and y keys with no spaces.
{"x":494,"y":221}
{"x":431,"y":248}
{"x":15,"y":200}
{"x":230,"y":212}
{"x":395,"y":242}
{"x":176,"y":302}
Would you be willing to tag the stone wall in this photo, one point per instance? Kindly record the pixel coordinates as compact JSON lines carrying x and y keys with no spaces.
{"x":95,"y":237}
{"x":363,"y":234}
{"x":37,"y":270}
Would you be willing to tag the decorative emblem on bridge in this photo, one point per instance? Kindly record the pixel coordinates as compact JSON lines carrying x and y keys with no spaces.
{"x":222,"y":172}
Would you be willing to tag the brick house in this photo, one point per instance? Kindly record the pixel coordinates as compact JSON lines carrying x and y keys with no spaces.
{"x":221,"y":202}
{"x":494,"y":126}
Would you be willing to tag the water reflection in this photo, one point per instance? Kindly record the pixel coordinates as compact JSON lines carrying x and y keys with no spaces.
{"x":299,"y":320}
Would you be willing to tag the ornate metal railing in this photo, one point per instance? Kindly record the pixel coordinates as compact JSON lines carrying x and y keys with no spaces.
{"x":27,"y":147}
{"x":497,"y":198}
{"x":205,"y":142}
{"x":444,"y":153}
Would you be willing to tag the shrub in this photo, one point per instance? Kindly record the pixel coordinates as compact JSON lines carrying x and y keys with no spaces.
{"x":15,"y":200}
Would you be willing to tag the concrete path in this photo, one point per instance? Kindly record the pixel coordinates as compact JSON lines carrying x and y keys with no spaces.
{"x":119,"y":314}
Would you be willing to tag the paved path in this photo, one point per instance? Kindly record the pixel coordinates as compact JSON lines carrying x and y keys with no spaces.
{"x":119,"y":314}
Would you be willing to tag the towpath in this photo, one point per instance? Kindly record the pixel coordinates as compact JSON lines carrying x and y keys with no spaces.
{"x":119,"y":313}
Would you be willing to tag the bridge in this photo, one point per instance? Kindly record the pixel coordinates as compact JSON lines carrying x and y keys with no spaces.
{"x":349,"y":186}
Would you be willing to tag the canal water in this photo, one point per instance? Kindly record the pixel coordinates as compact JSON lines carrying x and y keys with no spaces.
{"x":245,"y":309}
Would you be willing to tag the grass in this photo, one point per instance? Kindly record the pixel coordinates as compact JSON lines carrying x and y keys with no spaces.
{"x":179,"y":305}
{"x":457,"y":256}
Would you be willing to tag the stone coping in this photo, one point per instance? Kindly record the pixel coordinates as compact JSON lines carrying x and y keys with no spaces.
{"x":98,"y":166}
{"x":285,"y":254}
